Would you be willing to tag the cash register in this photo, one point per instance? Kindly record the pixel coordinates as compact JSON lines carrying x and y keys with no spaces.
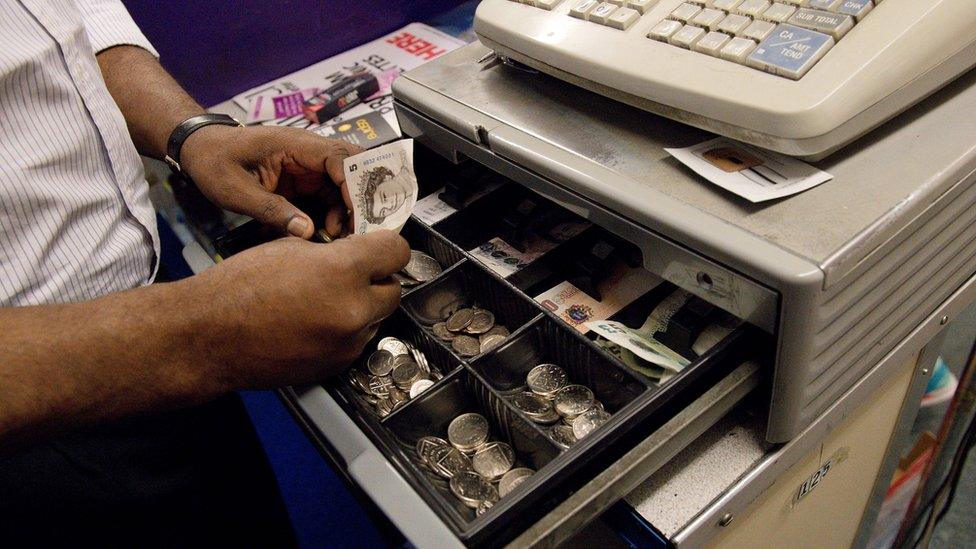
{"x":567,"y":107}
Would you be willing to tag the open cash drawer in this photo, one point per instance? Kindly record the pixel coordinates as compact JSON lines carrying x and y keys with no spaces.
{"x":378,"y":453}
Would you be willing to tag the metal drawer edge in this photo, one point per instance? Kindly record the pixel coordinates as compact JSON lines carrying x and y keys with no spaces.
{"x":509,"y":156}
{"x":623,"y":476}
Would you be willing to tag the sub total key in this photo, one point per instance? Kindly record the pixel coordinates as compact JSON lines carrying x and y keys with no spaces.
{"x":790,"y":51}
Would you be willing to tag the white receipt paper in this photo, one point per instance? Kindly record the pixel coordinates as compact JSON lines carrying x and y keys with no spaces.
{"x":750,"y":172}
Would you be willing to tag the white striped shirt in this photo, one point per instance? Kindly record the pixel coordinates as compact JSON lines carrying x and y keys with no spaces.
{"x":75,"y":215}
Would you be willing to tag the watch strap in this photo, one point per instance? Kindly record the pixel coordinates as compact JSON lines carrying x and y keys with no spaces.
{"x":186,"y":128}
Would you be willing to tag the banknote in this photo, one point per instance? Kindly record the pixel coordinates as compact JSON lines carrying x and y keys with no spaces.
{"x":642,"y":345}
{"x":382,"y":185}
{"x":619,"y":289}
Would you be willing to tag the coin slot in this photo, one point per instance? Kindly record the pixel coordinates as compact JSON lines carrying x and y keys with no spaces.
{"x":468,"y":286}
{"x":431,"y":414}
{"x":427,"y":241}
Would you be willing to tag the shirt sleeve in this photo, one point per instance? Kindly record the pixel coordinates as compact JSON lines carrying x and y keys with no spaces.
{"x":109,"y":24}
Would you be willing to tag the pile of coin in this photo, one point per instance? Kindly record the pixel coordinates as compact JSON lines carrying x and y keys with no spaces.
{"x":421,"y":268}
{"x":479,"y":471}
{"x":396,"y":372}
{"x":572,"y":410}
{"x":471,"y":331}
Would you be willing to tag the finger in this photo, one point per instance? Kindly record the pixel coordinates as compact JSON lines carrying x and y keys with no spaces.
{"x":315,"y":153}
{"x":334,"y":218}
{"x":267,"y":207}
{"x":379,"y":254}
{"x":385,"y":298}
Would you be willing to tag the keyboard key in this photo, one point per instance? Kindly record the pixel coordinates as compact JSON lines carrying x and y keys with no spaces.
{"x":758,"y":30}
{"x":823,"y":4}
{"x":734,"y":23}
{"x":547,"y":4}
{"x":737,"y":49}
{"x":753,"y":8}
{"x":642,"y":6}
{"x":727,"y":5}
{"x":833,"y":24}
{"x":617,"y":2}
{"x":623,"y":18}
{"x":798,"y":3}
{"x":601,"y":14}
{"x":582,"y":8}
{"x":663,"y":30}
{"x":687,"y":36}
{"x":855,"y":8}
{"x":708,"y":18}
{"x":685,"y":12}
{"x":778,"y":13}
{"x":711,"y":43}
{"x":790,"y":51}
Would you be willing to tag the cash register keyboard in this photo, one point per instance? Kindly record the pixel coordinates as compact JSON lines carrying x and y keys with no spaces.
{"x":802,"y":77}
{"x":783,"y":38}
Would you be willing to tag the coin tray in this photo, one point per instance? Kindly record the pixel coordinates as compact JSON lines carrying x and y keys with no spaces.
{"x":545,"y":341}
{"x":426,"y":240}
{"x":431,"y":413}
{"x":463,"y":286}
{"x":402,"y":327}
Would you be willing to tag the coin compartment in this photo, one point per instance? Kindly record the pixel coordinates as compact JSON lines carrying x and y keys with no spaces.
{"x":466,"y":285}
{"x":424,"y":239}
{"x":547,"y":341}
{"x":402,"y":327}
{"x":431,"y":413}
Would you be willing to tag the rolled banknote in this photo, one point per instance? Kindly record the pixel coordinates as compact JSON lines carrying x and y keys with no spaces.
{"x":382,"y":186}
{"x":642,"y":345}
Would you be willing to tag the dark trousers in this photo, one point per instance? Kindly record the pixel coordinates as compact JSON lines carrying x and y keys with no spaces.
{"x":189,"y":478}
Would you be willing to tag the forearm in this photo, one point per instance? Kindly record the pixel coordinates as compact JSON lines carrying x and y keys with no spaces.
{"x":151,"y":101}
{"x":67,"y":365}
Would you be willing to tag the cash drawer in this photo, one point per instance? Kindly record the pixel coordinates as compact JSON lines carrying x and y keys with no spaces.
{"x":378,"y":452}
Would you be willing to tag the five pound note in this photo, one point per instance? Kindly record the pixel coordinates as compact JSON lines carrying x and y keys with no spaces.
{"x":382,"y":186}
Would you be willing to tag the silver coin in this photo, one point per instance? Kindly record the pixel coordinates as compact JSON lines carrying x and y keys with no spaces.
{"x":490,"y":342}
{"x":466,"y":345}
{"x":405,"y":281}
{"x":398,"y":396}
{"x":419,"y":358}
{"x":384,"y":407}
{"x":563,"y":436}
{"x":483,"y":507}
{"x":481,"y":321}
{"x":512,"y":479}
{"x":535,"y":407}
{"x":468,"y":431}
{"x":358,"y":379}
{"x":392,"y":345}
{"x":419,"y":387}
{"x":422,"y":267}
{"x":546,"y":379}
{"x":380,"y":386}
{"x":426,"y":445}
{"x":380,"y":363}
{"x":459,"y":320}
{"x":405,"y":374}
{"x":497,"y":329}
{"x":449,"y":461}
{"x":588,"y":421}
{"x":573,"y":400}
{"x":440,"y":330}
{"x":471,"y":489}
{"x":493,"y":460}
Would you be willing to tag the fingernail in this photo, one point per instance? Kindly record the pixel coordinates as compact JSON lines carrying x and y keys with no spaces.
{"x":298,"y":226}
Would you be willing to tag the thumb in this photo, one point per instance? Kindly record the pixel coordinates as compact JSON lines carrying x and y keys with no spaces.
{"x":274,"y":210}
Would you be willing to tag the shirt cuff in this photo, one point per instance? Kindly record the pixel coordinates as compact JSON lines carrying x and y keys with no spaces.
{"x":109,"y":24}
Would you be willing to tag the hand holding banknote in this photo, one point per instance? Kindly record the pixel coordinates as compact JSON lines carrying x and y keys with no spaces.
{"x":382,"y":187}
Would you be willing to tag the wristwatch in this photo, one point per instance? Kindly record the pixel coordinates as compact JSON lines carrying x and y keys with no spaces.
{"x":186,"y":128}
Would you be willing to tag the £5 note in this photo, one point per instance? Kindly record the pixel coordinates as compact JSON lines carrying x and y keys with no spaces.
{"x":643,"y":346}
{"x":382,"y":186}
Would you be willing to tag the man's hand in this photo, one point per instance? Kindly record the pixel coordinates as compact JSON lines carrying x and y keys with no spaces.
{"x":257,"y":170}
{"x":292,"y":311}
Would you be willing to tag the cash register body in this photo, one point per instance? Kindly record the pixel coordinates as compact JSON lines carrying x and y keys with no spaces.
{"x":840,"y":274}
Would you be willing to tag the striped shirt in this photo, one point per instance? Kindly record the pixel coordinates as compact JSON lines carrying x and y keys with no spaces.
{"x":75,"y":215}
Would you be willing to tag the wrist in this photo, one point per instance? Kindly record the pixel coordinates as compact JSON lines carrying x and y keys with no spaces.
{"x":184,"y":131}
